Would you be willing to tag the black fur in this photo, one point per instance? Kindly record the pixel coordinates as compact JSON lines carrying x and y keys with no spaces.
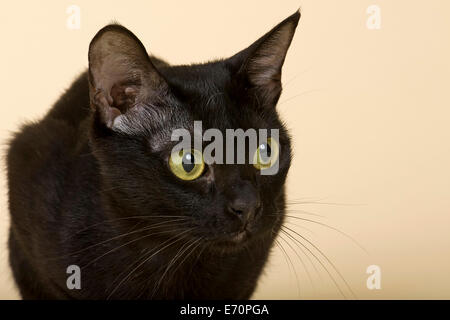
{"x":77,"y":183}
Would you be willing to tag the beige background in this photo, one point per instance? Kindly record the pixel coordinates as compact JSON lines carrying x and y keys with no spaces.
{"x":369,"y":112}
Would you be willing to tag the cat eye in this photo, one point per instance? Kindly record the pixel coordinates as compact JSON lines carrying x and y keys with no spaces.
{"x":266,"y":155}
{"x":187,"y":164}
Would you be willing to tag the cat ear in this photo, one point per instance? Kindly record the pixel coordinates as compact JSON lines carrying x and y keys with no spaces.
{"x":260,"y":64}
{"x":121,"y":74}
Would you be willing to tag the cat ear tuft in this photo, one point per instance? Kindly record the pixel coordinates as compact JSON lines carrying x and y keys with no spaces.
{"x":121,"y":73}
{"x":261,"y":63}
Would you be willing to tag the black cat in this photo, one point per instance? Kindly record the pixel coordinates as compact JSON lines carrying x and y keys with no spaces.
{"x":93,"y":183}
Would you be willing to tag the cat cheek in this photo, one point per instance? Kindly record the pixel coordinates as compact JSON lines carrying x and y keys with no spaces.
{"x":207,"y":181}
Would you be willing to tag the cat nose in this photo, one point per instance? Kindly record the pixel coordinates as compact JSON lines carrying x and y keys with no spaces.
{"x":244,"y":206}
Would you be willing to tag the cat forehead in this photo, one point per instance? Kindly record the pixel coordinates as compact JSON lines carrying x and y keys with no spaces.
{"x":165,"y":136}
{"x":198,"y":79}
{"x":208,"y":91}
{"x":201,"y":93}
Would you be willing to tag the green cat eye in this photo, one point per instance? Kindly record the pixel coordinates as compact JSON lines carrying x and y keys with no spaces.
{"x":266,"y":155}
{"x":187,"y":164}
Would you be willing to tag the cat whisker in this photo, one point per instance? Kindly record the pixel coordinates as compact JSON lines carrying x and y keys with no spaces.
{"x":299,"y":201}
{"x":300,"y":258}
{"x":198,"y":257}
{"x":300,"y":226}
{"x":127,"y":243}
{"x":287,"y":229}
{"x":140,"y":217}
{"x":199,"y":244}
{"x":299,"y":243}
{"x":290,"y":234}
{"x":290,"y":264}
{"x":189,"y":254}
{"x":304,"y":212}
{"x":320,"y":223}
{"x":176,"y":257}
{"x":155,"y":226}
{"x":153,"y":253}
{"x":305,"y":253}
{"x":180,"y":252}
{"x":332,"y":228}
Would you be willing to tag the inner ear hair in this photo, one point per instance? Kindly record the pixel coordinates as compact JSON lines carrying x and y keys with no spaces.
{"x":261,"y":62}
{"x":264,"y":66}
{"x":121,"y":73}
{"x":124,"y":95}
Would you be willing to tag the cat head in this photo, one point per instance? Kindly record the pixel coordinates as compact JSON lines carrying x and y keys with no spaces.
{"x":138,"y":102}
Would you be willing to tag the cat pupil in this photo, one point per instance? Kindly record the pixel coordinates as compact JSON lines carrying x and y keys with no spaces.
{"x":265,"y":151}
{"x":188,"y":162}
